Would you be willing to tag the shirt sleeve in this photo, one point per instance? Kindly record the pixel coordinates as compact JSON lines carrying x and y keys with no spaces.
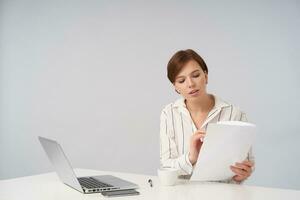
{"x":169,"y":156}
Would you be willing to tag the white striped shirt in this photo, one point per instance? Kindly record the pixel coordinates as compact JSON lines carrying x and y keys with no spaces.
{"x":177,"y":127}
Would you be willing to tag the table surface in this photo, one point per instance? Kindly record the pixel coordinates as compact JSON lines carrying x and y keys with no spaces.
{"x":48,"y":186}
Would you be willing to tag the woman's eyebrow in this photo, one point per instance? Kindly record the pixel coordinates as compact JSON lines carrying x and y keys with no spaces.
{"x":189,"y":74}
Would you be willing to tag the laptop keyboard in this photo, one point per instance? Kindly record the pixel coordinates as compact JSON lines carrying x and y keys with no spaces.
{"x":89,"y":182}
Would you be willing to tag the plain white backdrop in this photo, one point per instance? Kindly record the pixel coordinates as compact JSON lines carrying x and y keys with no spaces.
{"x":92,"y":75}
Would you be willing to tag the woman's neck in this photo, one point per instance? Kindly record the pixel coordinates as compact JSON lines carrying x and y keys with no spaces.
{"x":203,"y":104}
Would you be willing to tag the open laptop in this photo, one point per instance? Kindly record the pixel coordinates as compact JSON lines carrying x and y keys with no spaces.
{"x":86,"y":185}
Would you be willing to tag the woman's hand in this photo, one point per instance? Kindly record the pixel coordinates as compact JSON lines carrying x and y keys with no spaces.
{"x":242,"y":170}
{"x":195,"y":146}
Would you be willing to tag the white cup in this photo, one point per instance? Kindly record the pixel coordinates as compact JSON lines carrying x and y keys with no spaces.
{"x":167,"y":176}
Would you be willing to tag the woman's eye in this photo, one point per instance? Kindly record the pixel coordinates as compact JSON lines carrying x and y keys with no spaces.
{"x":196,"y":75}
{"x":181,"y":81}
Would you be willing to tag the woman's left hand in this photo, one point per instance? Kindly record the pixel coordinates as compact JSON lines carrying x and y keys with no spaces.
{"x":242,"y":170}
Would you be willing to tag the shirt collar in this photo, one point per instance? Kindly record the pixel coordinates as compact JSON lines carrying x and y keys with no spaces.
{"x":219,"y":103}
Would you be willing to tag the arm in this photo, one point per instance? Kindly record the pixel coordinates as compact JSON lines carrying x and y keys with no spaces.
{"x":169,"y":156}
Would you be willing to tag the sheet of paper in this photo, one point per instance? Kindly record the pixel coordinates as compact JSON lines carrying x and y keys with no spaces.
{"x":225,"y":143}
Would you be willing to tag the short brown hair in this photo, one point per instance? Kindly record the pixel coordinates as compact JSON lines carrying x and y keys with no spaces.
{"x":179,"y":59}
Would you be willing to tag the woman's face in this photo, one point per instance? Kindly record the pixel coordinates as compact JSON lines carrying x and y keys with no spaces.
{"x":191,"y":81}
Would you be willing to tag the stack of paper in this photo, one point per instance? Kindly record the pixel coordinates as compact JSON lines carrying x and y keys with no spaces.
{"x":224,"y":144}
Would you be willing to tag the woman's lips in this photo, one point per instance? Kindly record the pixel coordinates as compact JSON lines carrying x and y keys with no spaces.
{"x":194,"y":92}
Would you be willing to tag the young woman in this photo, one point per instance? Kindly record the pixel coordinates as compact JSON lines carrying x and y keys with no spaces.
{"x":184,"y":122}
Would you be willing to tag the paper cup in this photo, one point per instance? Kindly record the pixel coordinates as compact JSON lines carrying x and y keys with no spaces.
{"x":167,"y":176}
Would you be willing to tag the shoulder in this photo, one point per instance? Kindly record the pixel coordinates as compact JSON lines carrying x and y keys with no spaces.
{"x":167,"y":110}
{"x":229,"y":108}
{"x":171,"y":108}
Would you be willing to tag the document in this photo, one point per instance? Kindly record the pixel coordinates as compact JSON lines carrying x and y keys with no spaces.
{"x":225,"y":143}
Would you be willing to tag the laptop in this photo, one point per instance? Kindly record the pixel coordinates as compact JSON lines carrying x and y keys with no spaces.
{"x":89,"y":184}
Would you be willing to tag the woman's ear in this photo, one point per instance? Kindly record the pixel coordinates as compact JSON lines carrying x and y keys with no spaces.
{"x":206,"y":77}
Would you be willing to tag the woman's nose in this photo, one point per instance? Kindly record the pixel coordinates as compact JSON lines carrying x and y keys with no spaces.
{"x":190,"y":82}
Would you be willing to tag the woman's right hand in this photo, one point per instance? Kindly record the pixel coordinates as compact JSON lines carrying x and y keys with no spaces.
{"x":195,"y":146}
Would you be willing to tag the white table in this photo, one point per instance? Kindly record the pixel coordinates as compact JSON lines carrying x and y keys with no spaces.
{"x":48,"y":186}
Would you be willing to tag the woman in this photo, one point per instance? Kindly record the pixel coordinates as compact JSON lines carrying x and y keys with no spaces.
{"x":184,"y":122}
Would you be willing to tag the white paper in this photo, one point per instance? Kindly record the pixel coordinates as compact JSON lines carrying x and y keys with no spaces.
{"x":225,"y":143}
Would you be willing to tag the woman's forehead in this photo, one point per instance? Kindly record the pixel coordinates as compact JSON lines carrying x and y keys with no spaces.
{"x":189,"y":68}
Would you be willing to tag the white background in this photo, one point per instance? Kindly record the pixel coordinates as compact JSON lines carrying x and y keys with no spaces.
{"x":92,"y":75}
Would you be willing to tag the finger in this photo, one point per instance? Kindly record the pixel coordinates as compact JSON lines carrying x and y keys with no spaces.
{"x":199,"y":132}
{"x":243,"y":172}
{"x":248,"y":163}
{"x":196,"y":140}
{"x":243,"y":166}
{"x":198,"y":136}
{"x":239,"y":178}
{"x":238,"y":171}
